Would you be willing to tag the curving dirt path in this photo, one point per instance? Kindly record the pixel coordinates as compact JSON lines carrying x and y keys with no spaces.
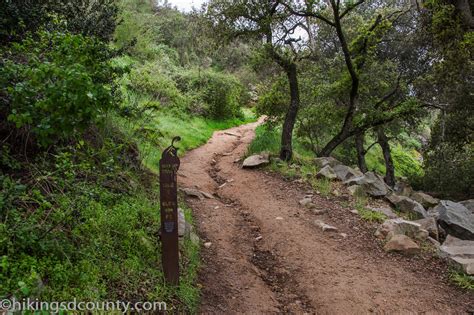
{"x":267,"y":256}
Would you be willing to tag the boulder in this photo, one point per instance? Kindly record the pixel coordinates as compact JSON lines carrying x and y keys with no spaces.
{"x":459,"y":252}
{"x":405,"y":204}
{"x":455,"y":219}
{"x":371,"y":183}
{"x":326,"y":172}
{"x":323,"y":161}
{"x":402,"y":244}
{"x":344,"y":172}
{"x":469,"y":204}
{"x":256,"y":160}
{"x":399,"y":226}
{"x":429,"y":224}
{"x":424,"y":199}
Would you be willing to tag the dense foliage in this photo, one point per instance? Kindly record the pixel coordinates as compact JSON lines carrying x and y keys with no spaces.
{"x":56,"y":84}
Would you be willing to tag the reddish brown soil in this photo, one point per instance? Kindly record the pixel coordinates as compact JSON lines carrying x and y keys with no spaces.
{"x":260,"y":264}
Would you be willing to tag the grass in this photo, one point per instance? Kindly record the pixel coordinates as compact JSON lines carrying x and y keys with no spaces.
{"x":269,"y":140}
{"x":323,"y":185}
{"x":410,"y":216}
{"x":461,"y":279}
{"x":371,"y":216}
{"x":154,"y":133}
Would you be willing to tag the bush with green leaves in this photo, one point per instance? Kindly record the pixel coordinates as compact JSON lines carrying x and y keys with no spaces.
{"x":216,"y":95}
{"x":56,"y":84}
{"x":156,"y":85}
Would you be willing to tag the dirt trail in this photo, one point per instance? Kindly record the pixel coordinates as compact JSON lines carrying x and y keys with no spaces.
{"x":267,"y":256}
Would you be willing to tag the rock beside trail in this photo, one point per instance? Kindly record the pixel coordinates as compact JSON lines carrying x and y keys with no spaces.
{"x":372,"y":184}
{"x":402,"y":244}
{"x":429,"y":224}
{"x":469,"y":204}
{"x":405,"y":204}
{"x":459,"y":252}
{"x":184,"y":228}
{"x":424,"y":199}
{"x":456,"y":219}
{"x":190,"y":192}
{"x":399,"y":226}
{"x":325,"y":227}
{"x":345,"y":173}
{"x":181,"y":222}
{"x":256,"y":160}
{"x":307,"y":202}
{"x":326,"y":172}
{"x":323,"y":161}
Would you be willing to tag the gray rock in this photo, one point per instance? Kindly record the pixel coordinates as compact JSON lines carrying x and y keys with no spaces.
{"x":325,"y":227}
{"x":466,"y":264}
{"x":402,"y":244}
{"x":326,"y":172}
{"x":459,"y":252}
{"x":181,"y":223}
{"x":372,"y":184}
{"x":399,"y":226}
{"x":424,"y":199}
{"x":455,"y":219}
{"x":345,"y":173}
{"x":255,"y":160}
{"x":469,"y":204}
{"x":405,"y":204}
{"x":190,"y":192}
{"x":429,"y":224}
{"x":323,"y":161}
{"x":307,"y":202}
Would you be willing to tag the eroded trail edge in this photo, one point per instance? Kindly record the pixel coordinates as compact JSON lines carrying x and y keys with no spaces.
{"x":265,"y":255}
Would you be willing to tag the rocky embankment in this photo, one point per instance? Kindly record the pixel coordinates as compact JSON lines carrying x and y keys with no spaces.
{"x":412,"y":217}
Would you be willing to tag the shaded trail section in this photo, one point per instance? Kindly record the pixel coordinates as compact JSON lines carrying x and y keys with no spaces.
{"x":268,"y":256}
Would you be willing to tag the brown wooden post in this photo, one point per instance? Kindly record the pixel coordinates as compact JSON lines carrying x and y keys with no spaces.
{"x":169,"y":165}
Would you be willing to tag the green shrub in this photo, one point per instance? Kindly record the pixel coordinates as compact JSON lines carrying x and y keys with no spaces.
{"x":152,"y":80}
{"x":220,"y":95}
{"x":56,"y":85}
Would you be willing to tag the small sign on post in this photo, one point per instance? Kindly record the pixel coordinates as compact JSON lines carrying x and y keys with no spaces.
{"x":169,"y":165}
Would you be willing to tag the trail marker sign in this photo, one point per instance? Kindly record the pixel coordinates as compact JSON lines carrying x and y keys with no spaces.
{"x":169,"y":165}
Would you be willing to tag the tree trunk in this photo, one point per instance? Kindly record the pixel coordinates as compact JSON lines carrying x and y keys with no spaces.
{"x":464,"y":9}
{"x":359,"y":144}
{"x":286,"y":150}
{"x":387,"y":155}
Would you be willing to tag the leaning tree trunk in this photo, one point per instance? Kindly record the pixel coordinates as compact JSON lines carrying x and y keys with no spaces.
{"x":286,"y":150}
{"x":387,"y":155}
{"x":359,"y":144}
{"x":334,"y":143}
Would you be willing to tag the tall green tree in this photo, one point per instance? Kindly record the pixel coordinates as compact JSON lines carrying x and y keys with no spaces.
{"x":276,"y":28}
